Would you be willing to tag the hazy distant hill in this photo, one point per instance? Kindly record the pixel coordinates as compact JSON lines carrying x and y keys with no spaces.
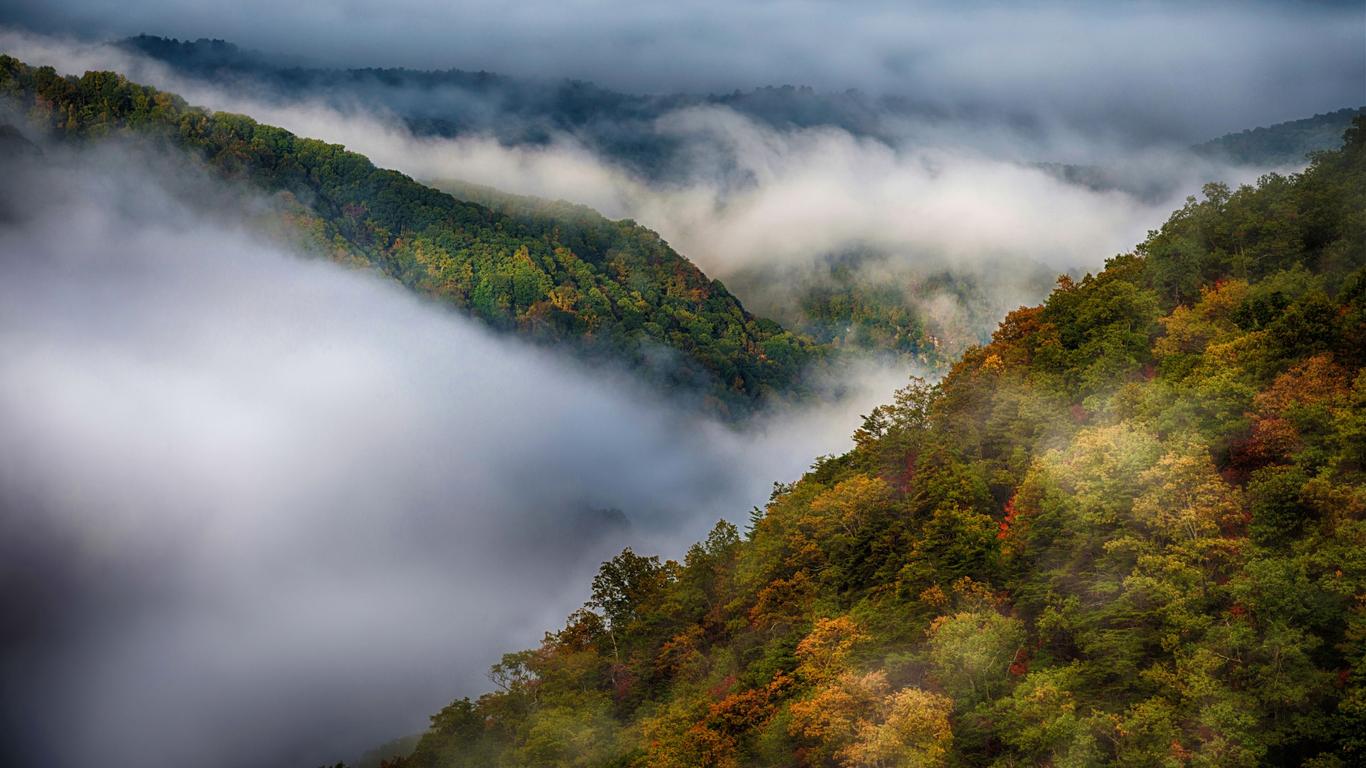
{"x":1283,"y":143}
{"x":612,"y":288}
{"x":619,"y":126}
{"x":1274,"y":146}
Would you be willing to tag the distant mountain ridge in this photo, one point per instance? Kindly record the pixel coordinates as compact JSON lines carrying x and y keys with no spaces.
{"x":617,"y":125}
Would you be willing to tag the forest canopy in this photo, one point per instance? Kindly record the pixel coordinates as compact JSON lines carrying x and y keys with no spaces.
{"x":1127,"y":531}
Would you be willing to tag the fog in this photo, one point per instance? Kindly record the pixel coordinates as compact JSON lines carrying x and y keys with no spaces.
{"x":1178,"y":70}
{"x":257,"y":509}
{"x":764,"y":208}
{"x":264,"y":510}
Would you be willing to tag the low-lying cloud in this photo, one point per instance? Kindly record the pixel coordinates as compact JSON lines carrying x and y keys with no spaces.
{"x":1179,"y":70}
{"x":263,"y":510}
{"x":256,"y":509}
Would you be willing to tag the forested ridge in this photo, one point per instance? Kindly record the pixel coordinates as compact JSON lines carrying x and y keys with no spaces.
{"x":613,"y":288}
{"x":1130,"y":530}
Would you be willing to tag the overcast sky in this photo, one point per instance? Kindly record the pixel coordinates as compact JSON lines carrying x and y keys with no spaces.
{"x":1186,"y":70}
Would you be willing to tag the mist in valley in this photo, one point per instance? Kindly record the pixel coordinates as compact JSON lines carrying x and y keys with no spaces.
{"x":264,"y":509}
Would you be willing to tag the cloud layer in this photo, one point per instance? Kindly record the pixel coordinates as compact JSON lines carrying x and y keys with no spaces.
{"x":1181,"y":70}
{"x":263,"y":510}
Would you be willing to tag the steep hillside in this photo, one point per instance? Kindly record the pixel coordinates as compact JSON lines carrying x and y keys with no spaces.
{"x":853,"y":303}
{"x":612,"y":288}
{"x":1130,"y":530}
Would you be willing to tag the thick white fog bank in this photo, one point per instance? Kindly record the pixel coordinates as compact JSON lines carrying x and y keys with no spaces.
{"x":262,"y":510}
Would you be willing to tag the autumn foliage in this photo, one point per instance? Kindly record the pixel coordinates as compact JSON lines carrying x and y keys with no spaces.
{"x":1128,"y":531}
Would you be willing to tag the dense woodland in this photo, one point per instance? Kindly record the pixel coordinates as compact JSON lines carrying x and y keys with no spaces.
{"x":613,"y":288}
{"x":848,"y":303}
{"x":1130,"y":530}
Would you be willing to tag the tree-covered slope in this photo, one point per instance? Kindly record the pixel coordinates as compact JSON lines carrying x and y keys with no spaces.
{"x":1130,"y":530}
{"x":612,"y":288}
{"x":854,"y":303}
